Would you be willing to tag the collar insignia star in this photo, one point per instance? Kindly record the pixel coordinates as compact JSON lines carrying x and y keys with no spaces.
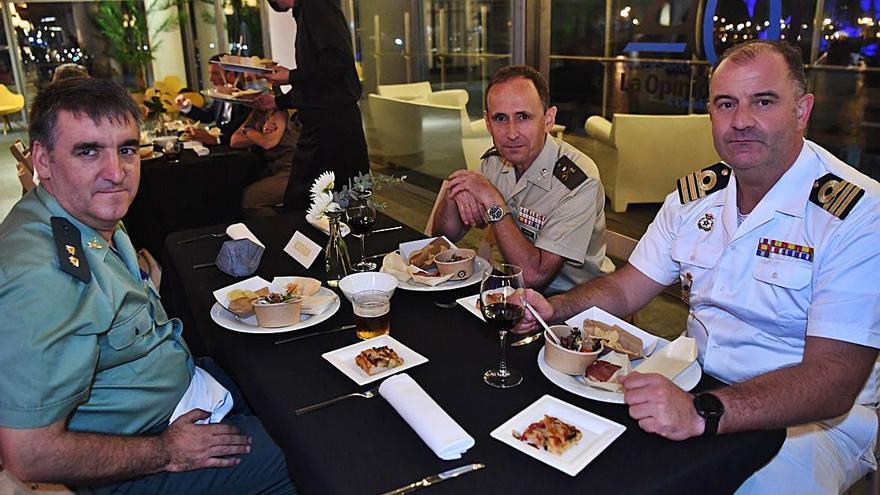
{"x":94,"y":244}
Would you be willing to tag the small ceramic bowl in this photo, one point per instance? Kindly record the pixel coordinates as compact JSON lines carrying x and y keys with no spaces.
{"x":565,"y":360}
{"x":360,"y":282}
{"x":272,"y":315}
{"x":460,"y":269}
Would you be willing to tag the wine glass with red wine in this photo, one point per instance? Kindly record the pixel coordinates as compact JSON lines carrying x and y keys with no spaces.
{"x":360,"y":217}
{"x":502,"y":313}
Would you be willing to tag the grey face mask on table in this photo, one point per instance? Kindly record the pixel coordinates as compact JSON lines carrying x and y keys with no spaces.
{"x":240,"y":257}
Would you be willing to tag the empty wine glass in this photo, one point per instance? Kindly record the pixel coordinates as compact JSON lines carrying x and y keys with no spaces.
{"x":502,"y":313}
{"x":360,"y":217}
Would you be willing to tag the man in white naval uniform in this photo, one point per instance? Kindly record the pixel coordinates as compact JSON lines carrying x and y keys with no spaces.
{"x":777,"y":250}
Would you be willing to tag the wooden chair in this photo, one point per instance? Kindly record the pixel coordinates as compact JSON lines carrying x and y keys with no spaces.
{"x":10,"y":103}
{"x":24,"y":166}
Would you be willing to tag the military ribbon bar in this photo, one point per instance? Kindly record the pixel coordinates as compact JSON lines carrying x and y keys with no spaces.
{"x":768,"y":246}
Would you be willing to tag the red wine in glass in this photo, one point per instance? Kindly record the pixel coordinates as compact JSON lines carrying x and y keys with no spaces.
{"x":503,"y":316}
{"x":361,"y":223}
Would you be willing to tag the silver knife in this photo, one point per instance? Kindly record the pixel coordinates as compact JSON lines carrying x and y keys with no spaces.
{"x":527,"y":340}
{"x":437,"y":478}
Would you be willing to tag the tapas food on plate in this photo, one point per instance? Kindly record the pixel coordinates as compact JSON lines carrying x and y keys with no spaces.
{"x":376,"y":360}
{"x":424,"y":258}
{"x":614,"y":338}
{"x":550,"y":434}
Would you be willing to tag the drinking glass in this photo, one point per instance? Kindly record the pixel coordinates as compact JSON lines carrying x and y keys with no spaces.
{"x":360,"y":217}
{"x":502,"y":313}
{"x":372,"y":313}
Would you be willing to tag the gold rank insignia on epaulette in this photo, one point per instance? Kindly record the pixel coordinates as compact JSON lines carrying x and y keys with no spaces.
{"x":835,"y":195}
{"x":569,"y":173}
{"x":702,"y":183}
{"x":493,"y":151}
{"x":68,"y":243}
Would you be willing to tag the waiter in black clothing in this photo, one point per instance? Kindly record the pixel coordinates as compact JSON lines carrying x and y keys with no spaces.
{"x":325,"y":90}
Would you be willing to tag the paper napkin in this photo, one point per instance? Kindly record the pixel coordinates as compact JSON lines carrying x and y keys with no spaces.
{"x":240,"y":231}
{"x":672,"y":359}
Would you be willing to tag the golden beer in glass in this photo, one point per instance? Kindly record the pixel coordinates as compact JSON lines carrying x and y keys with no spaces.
{"x":372,"y":313}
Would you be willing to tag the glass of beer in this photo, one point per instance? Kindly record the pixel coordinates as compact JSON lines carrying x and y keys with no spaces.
{"x":372,"y":313}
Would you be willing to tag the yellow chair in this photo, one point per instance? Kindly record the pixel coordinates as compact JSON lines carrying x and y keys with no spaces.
{"x":9,"y":103}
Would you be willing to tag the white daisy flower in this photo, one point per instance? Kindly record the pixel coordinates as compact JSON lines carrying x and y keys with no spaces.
{"x":324,"y":183}
{"x":320,"y":203}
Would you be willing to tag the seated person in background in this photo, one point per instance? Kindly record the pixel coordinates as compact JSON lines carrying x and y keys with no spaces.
{"x":778,"y":250}
{"x":68,"y":71}
{"x":555,"y":230}
{"x":227,"y":116}
{"x":273,"y":136}
{"x":100,"y":392}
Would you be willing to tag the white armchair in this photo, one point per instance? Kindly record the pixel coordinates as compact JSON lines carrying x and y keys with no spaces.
{"x":641,"y":156}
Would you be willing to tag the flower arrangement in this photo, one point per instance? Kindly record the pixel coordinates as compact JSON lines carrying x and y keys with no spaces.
{"x":324,"y":199}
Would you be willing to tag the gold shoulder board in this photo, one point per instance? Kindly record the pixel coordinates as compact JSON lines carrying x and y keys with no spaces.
{"x":702,"y":183}
{"x":490,"y":152}
{"x":835,"y":195}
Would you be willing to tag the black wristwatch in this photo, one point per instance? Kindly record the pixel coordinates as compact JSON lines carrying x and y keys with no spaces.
{"x":710,"y":408}
{"x":496,"y":212}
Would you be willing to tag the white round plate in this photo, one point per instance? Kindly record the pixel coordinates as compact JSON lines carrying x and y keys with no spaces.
{"x":227,"y":98}
{"x":480,"y":266}
{"x":687,"y":379}
{"x":251,"y":69}
{"x":153,"y":156}
{"x":227,"y":319}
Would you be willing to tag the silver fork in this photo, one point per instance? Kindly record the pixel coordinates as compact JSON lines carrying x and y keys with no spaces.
{"x":206,"y":236}
{"x":369,"y":394}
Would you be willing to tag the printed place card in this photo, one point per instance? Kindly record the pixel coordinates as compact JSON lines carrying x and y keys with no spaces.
{"x":302,"y":249}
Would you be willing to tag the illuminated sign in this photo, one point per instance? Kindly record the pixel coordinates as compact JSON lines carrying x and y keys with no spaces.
{"x":651,"y":26}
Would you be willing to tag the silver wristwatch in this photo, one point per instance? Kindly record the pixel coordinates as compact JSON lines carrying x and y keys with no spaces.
{"x":496,"y":212}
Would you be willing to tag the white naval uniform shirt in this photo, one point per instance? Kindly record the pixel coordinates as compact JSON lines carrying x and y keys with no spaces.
{"x":758,"y":310}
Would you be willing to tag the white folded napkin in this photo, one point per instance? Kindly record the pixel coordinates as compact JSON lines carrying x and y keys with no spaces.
{"x":240,"y":231}
{"x":315,"y":305}
{"x":436,"y":428}
{"x":205,"y":393}
{"x":672,"y":359}
{"x":323,"y":224}
{"x":201,"y":150}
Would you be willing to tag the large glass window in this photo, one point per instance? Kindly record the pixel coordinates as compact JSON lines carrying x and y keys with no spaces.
{"x":454,"y":46}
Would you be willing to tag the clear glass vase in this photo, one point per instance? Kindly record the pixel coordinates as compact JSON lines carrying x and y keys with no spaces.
{"x":336,"y":260}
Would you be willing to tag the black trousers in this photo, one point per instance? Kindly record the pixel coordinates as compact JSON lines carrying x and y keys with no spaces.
{"x":330,"y":139}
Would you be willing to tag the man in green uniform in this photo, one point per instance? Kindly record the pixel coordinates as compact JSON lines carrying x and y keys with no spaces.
{"x":98,"y":389}
{"x":556,"y":228}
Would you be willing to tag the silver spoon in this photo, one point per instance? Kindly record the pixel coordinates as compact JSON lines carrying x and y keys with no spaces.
{"x":543,"y":323}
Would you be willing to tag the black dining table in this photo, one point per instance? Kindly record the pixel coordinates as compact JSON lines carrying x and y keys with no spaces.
{"x":189,"y":191}
{"x":362,"y":446}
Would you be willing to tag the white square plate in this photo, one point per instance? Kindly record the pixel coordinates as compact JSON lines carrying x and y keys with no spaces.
{"x":598,"y":433}
{"x":649,"y":342}
{"x":343,"y":359}
{"x":470,"y":303}
{"x":253,"y":283}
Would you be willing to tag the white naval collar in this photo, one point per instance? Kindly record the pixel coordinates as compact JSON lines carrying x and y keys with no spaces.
{"x":788,"y":196}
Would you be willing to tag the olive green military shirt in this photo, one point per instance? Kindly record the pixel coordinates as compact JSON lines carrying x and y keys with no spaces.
{"x":102,"y":351}
{"x":557,"y":208}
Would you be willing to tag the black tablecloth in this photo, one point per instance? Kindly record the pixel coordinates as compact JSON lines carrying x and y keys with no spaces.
{"x":363,"y":446}
{"x":192,"y":192}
